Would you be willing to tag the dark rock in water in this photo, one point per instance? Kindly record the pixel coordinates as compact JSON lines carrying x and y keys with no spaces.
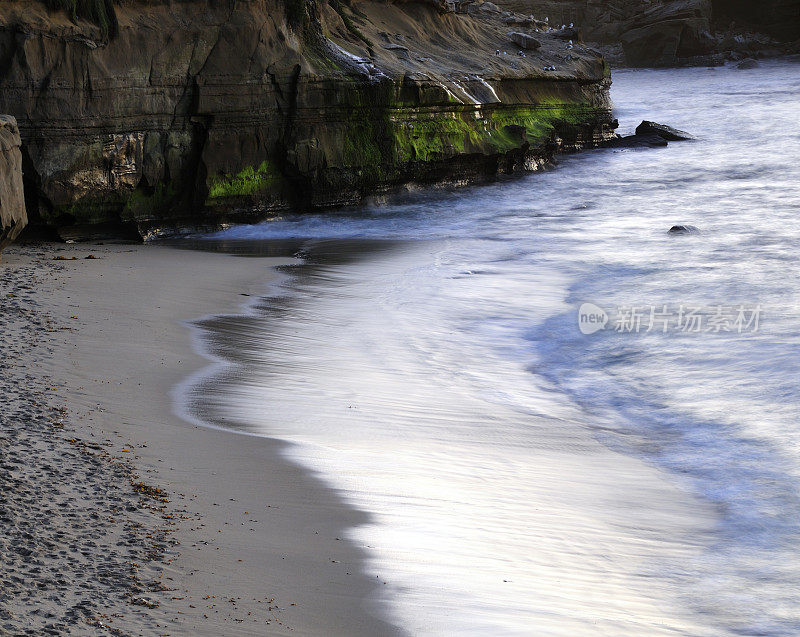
{"x":13,"y":217}
{"x":650,"y":140}
{"x":650,"y":135}
{"x":748,"y":63}
{"x":665,"y":132}
{"x":684,"y":230}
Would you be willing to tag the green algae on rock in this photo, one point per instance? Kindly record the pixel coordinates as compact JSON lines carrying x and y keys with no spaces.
{"x":248,"y":182}
{"x":198,"y":115}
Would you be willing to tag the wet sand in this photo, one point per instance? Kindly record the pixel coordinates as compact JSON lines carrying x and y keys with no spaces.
{"x":247,"y":542}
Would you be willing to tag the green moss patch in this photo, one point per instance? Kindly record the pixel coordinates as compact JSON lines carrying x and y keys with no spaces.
{"x":541,"y":121}
{"x":498,"y":129}
{"x":246,"y":183}
{"x":433,"y":136}
{"x":145,"y":205}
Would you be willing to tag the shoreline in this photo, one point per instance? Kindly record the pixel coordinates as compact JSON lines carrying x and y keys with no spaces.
{"x":455,"y":554}
{"x":258,"y":536}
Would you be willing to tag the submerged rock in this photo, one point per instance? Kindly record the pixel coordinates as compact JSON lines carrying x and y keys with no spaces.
{"x":683,"y":230}
{"x":638,"y":141}
{"x":662,"y":130}
{"x":746,"y":64}
{"x":13,"y":217}
{"x":650,"y":135}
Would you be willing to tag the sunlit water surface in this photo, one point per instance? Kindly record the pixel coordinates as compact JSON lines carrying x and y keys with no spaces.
{"x":424,"y":357}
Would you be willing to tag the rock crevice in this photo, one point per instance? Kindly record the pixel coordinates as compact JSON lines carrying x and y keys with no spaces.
{"x":13,"y":217}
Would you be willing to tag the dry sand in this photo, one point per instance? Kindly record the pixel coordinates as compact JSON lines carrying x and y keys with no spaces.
{"x":247,"y":544}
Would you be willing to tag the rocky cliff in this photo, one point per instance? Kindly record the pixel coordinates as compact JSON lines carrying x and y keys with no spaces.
{"x":777,"y":18}
{"x":12,"y":204}
{"x":203,"y":112}
{"x":677,"y":32}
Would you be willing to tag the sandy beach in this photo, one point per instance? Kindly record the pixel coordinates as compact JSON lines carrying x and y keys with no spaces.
{"x":123,"y":518}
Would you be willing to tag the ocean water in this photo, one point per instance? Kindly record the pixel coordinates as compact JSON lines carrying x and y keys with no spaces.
{"x":425,"y":357}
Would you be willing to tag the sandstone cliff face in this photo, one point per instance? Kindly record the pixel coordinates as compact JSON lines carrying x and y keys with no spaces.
{"x":669,"y":34}
{"x":778,"y":18}
{"x":209,"y":111}
{"x":677,"y":32}
{"x":12,"y":203}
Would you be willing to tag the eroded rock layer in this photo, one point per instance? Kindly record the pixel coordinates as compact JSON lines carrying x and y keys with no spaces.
{"x":204,"y":112}
{"x":13,"y":217}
